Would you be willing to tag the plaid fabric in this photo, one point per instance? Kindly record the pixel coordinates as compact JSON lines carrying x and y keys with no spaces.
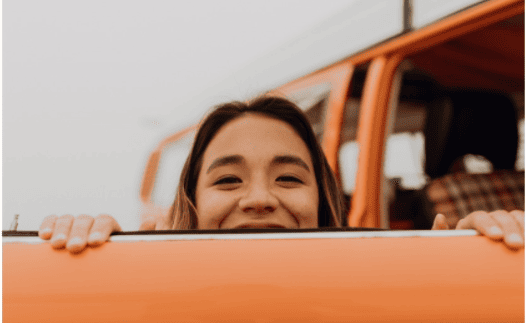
{"x":457,"y":195}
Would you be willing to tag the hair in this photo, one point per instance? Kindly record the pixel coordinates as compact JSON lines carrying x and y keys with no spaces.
{"x":331,"y":210}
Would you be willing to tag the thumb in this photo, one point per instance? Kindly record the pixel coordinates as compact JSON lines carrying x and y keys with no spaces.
{"x":440,"y":223}
{"x":148,"y":225}
{"x":163,"y":224}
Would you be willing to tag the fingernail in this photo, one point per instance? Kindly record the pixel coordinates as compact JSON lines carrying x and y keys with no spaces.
{"x":46,"y":230}
{"x":58,"y":241}
{"x":515,"y":238}
{"x":95,"y":236}
{"x":60,"y":236}
{"x":495,"y":231}
{"x":75,"y":241}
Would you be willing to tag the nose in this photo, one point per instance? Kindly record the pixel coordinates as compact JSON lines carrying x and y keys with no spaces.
{"x":258,"y":199}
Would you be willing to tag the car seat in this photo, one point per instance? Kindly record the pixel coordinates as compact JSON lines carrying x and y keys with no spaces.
{"x":471,"y":122}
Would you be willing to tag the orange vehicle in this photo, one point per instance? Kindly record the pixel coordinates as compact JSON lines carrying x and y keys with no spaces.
{"x":411,"y":81}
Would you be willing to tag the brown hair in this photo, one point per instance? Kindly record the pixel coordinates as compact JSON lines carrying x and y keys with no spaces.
{"x":330,"y":208}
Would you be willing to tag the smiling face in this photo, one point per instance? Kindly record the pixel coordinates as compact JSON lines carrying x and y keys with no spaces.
{"x":256,"y":173}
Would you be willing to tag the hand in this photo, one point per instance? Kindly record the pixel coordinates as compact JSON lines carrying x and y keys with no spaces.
{"x":75,"y":233}
{"x":155,"y":218}
{"x":156,"y":223}
{"x":497,"y":225}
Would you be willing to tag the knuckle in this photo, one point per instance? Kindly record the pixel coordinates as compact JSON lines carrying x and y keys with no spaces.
{"x":105,"y":218}
{"x":106,"y":223}
{"x":518,"y":214}
{"x":502,"y":217}
{"x":482,"y":219}
{"x":85,"y":217}
{"x":66,"y":217}
{"x":83,"y":221}
{"x":478,"y":214}
{"x":50,"y":218}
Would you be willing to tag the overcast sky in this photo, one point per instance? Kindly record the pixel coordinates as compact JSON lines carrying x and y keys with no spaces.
{"x":90,"y":87}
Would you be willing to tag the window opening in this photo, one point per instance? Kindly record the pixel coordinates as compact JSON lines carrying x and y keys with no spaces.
{"x":349,"y":149}
{"x":313,"y":101}
{"x":169,"y":170}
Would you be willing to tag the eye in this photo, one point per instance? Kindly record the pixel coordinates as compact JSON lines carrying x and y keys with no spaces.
{"x":228,"y":180}
{"x":289,"y":179}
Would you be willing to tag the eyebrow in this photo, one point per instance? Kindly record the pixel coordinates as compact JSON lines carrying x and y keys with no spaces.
{"x":238,"y":159}
{"x":290,"y":159}
{"x":226,"y":160}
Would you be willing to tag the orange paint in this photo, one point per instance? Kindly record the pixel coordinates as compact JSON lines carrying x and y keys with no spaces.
{"x":471,"y":19}
{"x":455,"y":279}
{"x":371,"y":139}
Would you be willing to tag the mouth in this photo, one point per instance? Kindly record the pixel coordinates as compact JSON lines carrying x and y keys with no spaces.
{"x":259,"y":226}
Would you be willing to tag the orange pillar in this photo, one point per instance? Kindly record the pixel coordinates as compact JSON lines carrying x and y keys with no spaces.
{"x":371,"y":139}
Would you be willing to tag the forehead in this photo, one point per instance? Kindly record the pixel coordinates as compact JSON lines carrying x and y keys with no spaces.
{"x":256,"y":135}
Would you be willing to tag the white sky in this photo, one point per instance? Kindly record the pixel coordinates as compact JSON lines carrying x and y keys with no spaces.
{"x":90,"y":87}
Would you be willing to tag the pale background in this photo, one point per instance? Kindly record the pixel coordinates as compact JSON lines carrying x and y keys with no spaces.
{"x":90,"y":87}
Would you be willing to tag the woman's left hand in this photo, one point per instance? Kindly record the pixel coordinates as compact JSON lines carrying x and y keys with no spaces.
{"x":497,"y":225}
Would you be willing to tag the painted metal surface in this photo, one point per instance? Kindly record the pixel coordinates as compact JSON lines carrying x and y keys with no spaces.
{"x":338,"y":277}
{"x":371,"y":138}
{"x":464,"y":22}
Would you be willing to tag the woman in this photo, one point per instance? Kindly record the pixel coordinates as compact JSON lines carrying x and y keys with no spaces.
{"x":257,"y":165}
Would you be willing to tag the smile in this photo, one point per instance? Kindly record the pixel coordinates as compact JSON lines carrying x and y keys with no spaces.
{"x":258,"y":225}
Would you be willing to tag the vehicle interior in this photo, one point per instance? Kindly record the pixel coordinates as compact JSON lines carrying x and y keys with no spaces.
{"x":460,"y":110}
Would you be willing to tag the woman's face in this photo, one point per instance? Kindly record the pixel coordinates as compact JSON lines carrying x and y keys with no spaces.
{"x":256,"y":173}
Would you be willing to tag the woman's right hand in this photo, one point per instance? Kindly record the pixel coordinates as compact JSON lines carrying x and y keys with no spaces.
{"x":75,"y":233}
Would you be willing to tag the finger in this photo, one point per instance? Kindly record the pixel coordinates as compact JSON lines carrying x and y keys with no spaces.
{"x":148,"y":225}
{"x":47,"y":226}
{"x":61,"y":231}
{"x":511,"y":229}
{"x":483,"y":223}
{"x":440,"y":223}
{"x":100,"y":232}
{"x":519,"y":217}
{"x":78,"y":235}
{"x":163,"y":224}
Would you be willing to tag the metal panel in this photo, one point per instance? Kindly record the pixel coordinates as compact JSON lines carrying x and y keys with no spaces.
{"x":315,"y":277}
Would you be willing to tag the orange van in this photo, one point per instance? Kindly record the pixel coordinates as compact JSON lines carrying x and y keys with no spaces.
{"x":414,"y":82}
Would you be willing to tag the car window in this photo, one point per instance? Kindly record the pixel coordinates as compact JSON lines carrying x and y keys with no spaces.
{"x":313,"y":100}
{"x":519,"y":164}
{"x":169,"y":170}
{"x":349,"y":148}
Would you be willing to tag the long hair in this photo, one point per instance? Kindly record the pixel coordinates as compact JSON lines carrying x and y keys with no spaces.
{"x":330,"y":208}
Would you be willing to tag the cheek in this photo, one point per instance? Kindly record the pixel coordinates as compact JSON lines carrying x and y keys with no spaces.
{"x":212,"y":206}
{"x":304,"y":205}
